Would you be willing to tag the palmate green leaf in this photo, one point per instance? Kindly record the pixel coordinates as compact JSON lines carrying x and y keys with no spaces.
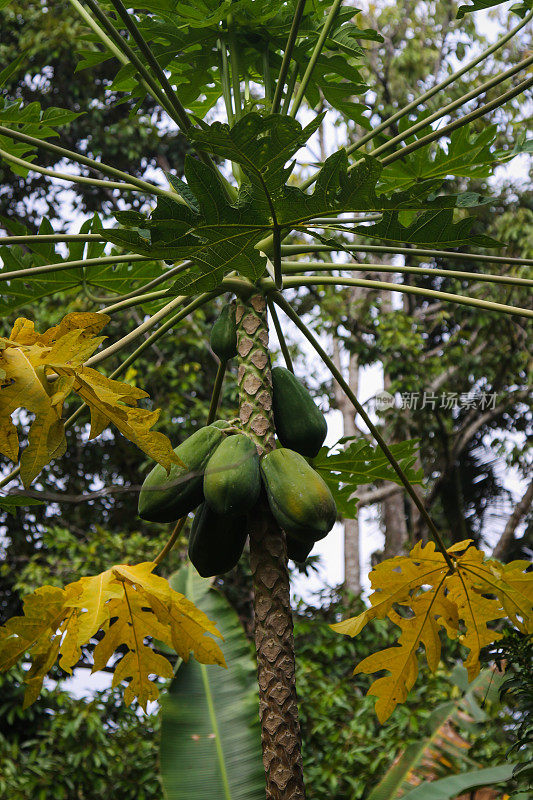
{"x":184,"y":39}
{"x":467,"y":155}
{"x":361,"y":463}
{"x":429,"y":228}
{"x":19,"y":292}
{"x":220,"y":235}
{"x":30,"y":119}
{"x":205,"y":708}
{"x":262,"y":146}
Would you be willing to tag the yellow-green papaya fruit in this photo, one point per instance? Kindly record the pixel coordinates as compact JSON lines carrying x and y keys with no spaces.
{"x":232,"y":481}
{"x":166,"y":498}
{"x":299,"y":498}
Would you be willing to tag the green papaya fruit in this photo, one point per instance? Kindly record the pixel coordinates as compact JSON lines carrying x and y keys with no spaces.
{"x":215,"y":542}
{"x":299,"y":498}
{"x":300,"y":424}
{"x":232,"y":481}
{"x":166,"y":498}
{"x":297,"y":550}
{"x":224,"y":334}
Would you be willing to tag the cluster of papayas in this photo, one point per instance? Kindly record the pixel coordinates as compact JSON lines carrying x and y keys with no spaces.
{"x":221,"y":475}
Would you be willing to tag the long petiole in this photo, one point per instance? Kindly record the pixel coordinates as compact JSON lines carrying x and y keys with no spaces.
{"x":452,"y":106}
{"x":149,"y":188}
{"x":345,"y":220}
{"x":180,"y":112}
{"x":281,"y":338}
{"x":65,"y":176}
{"x":326,"y":266}
{"x":133,"y":300}
{"x":291,"y":85}
{"x":50,"y":237}
{"x":225,"y":80}
{"x":315,"y":55}
{"x":458,"y":123}
{"x":217,"y":390}
{"x":122,"y":51}
{"x":171,"y":95}
{"x":417,"y":252}
{"x":120,"y":344}
{"x":287,"y":55}
{"x":150,"y":285}
{"x":318,"y":280}
{"x":282,"y":303}
{"x":87,"y":262}
{"x":438,"y":87}
{"x":235,"y":70}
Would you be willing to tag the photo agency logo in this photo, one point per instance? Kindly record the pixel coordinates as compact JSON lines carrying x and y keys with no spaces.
{"x":418,"y":401}
{"x":384,"y":400}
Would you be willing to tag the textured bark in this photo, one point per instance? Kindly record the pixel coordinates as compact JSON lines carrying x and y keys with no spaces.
{"x":278,"y":708}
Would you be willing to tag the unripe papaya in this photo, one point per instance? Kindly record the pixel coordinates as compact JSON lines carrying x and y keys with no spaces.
{"x":215,"y":542}
{"x":224,"y":334}
{"x":221,"y":423}
{"x":166,"y":498}
{"x":297,"y":550}
{"x":232,"y":481}
{"x":299,"y":498}
{"x":300,"y":424}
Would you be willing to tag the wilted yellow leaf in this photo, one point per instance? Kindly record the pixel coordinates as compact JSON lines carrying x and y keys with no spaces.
{"x":127,"y":604}
{"x":420,"y":595}
{"x":39,"y":371}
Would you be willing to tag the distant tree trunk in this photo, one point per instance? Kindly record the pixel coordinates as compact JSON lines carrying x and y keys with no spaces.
{"x":393,"y":509}
{"x":352,"y":560}
{"x":278,"y":708}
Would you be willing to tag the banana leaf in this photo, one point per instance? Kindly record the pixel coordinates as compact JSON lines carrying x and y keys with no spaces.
{"x":210,"y":741}
{"x":486,"y":684}
{"x":447,"y":788}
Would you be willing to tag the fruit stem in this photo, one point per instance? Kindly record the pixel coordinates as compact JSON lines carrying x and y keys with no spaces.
{"x":217,"y":389}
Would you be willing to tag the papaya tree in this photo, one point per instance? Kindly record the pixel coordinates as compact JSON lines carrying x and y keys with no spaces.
{"x":241,"y":82}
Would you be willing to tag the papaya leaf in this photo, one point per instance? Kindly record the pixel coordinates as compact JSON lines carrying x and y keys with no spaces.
{"x":429,"y":228}
{"x":361,"y":463}
{"x":467,"y":154}
{"x":126,"y":604}
{"x":220,"y":235}
{"x":218,"y":238}
{"x":28,"y":359}
{"x":463,"y":602}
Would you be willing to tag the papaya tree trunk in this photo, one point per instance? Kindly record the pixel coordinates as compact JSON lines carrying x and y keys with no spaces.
{"x":278,"y":708}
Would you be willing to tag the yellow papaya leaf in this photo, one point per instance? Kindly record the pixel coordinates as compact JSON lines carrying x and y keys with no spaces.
{"x":420,"y":595}
{"x":128,"y":605}
{"x":39,"y":371}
